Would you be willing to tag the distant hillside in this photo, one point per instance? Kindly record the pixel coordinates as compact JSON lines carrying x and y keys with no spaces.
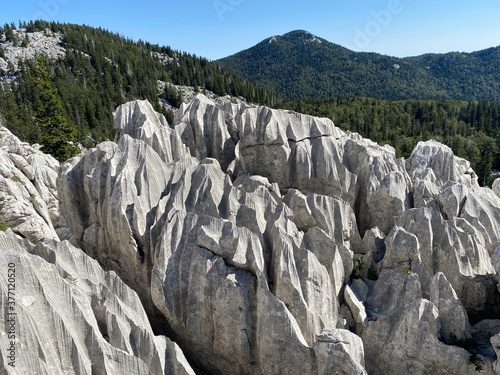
{"x":301,"y":65}
{"x":465,"y":76}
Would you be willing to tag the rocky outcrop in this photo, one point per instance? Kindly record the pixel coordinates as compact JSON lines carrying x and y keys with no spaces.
{"x":64,"y":314}
{"x":28,"y":192}
{"x":39,"y":43}
{"x":138,"y":120}
{"x":403,"y":332}
{"x":260,"y":234}
{"x":223,"y":262}
{"x":496,"y":187}
{"x":434,"y":161}
{"x":260,"y":241}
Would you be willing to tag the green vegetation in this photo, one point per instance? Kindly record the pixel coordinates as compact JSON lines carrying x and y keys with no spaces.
{"x":3,"y":226}
{"x":299,"y":65}
{"x":16,"y":178}
{"x":470,"y":129}
{"x":407,"y":270}
{"x":358,"y":265}
{"x":57,"y":133}
{"x":100,"y":71}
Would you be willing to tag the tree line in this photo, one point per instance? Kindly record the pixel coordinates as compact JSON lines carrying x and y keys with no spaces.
{"x":470,"y":129}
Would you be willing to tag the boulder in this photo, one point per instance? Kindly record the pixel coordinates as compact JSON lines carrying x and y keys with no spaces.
{"x":482,"y":210}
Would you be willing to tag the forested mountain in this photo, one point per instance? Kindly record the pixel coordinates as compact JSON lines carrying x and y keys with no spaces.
{"x":465,"y":76}
{"x":301,"y":65}
{"x":92,"y":73}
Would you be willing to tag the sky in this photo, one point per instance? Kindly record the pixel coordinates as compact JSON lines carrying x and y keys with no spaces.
{"x":219,"y":28}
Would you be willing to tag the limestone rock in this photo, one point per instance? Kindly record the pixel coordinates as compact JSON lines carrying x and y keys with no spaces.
{"x":452,"y":315}
{"x":483,"y":336}
{"x":373,"y":240}
{"x":302,"y":215}
{"x":402,"y":337}
{"x":72,"y":317}
{"x":402,"y":248}
{"x":208,"y":130}
{"x":293,"y":150}
{"x":496,"y":187}
{"x":495,"y":259}
{"x":107,"y":196}
{"x":246,"y":276}
{"x":425,"y":191}
{"x":330,"y":256}
{"x":452,"y":199}
{"x":384,"y":183}
{"x":28,"y":192}
{"x":44,"y":43}
{"x":392,"y":195}
{"x":240,"y":225}
{"x":482,"y":210}
{"x":455,"y":248}
{"x":338,"y":219}
{"x":339,"y":346}
{"x":495,"y":343}
{"x":139,"y":120}
{"x":356,"y":306}
{"x":432,"y":155}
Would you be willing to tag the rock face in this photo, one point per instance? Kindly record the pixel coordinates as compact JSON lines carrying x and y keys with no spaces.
{"x":241,"y":287}
{"x":496,"y":187}
{"x":45,"y":43}
{"x":69,"y":316}
{"x":28,"y":192}
{"x":269,"y":242}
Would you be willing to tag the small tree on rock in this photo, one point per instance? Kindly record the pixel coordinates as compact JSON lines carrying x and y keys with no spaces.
{"x":58,"y":134}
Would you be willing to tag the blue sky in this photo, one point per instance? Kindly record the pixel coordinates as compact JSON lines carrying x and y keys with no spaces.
{"x":217,"y":28}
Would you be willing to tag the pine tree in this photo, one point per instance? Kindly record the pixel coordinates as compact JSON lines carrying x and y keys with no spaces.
{"x":57,"y":132}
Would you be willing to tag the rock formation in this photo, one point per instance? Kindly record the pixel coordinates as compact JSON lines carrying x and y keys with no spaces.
{"x":39,"y":43}
{"x":496,"y":187}
{"x":72,"y":317}
{"x":269,"y":242}
{"x":28,"y":192}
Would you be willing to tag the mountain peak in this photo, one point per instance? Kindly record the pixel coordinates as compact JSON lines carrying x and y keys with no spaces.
{"x":296,"y":36}
{"x":301,"y":64}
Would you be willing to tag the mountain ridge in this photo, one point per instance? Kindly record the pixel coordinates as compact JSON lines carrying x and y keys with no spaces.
{"x":325,"y":69}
